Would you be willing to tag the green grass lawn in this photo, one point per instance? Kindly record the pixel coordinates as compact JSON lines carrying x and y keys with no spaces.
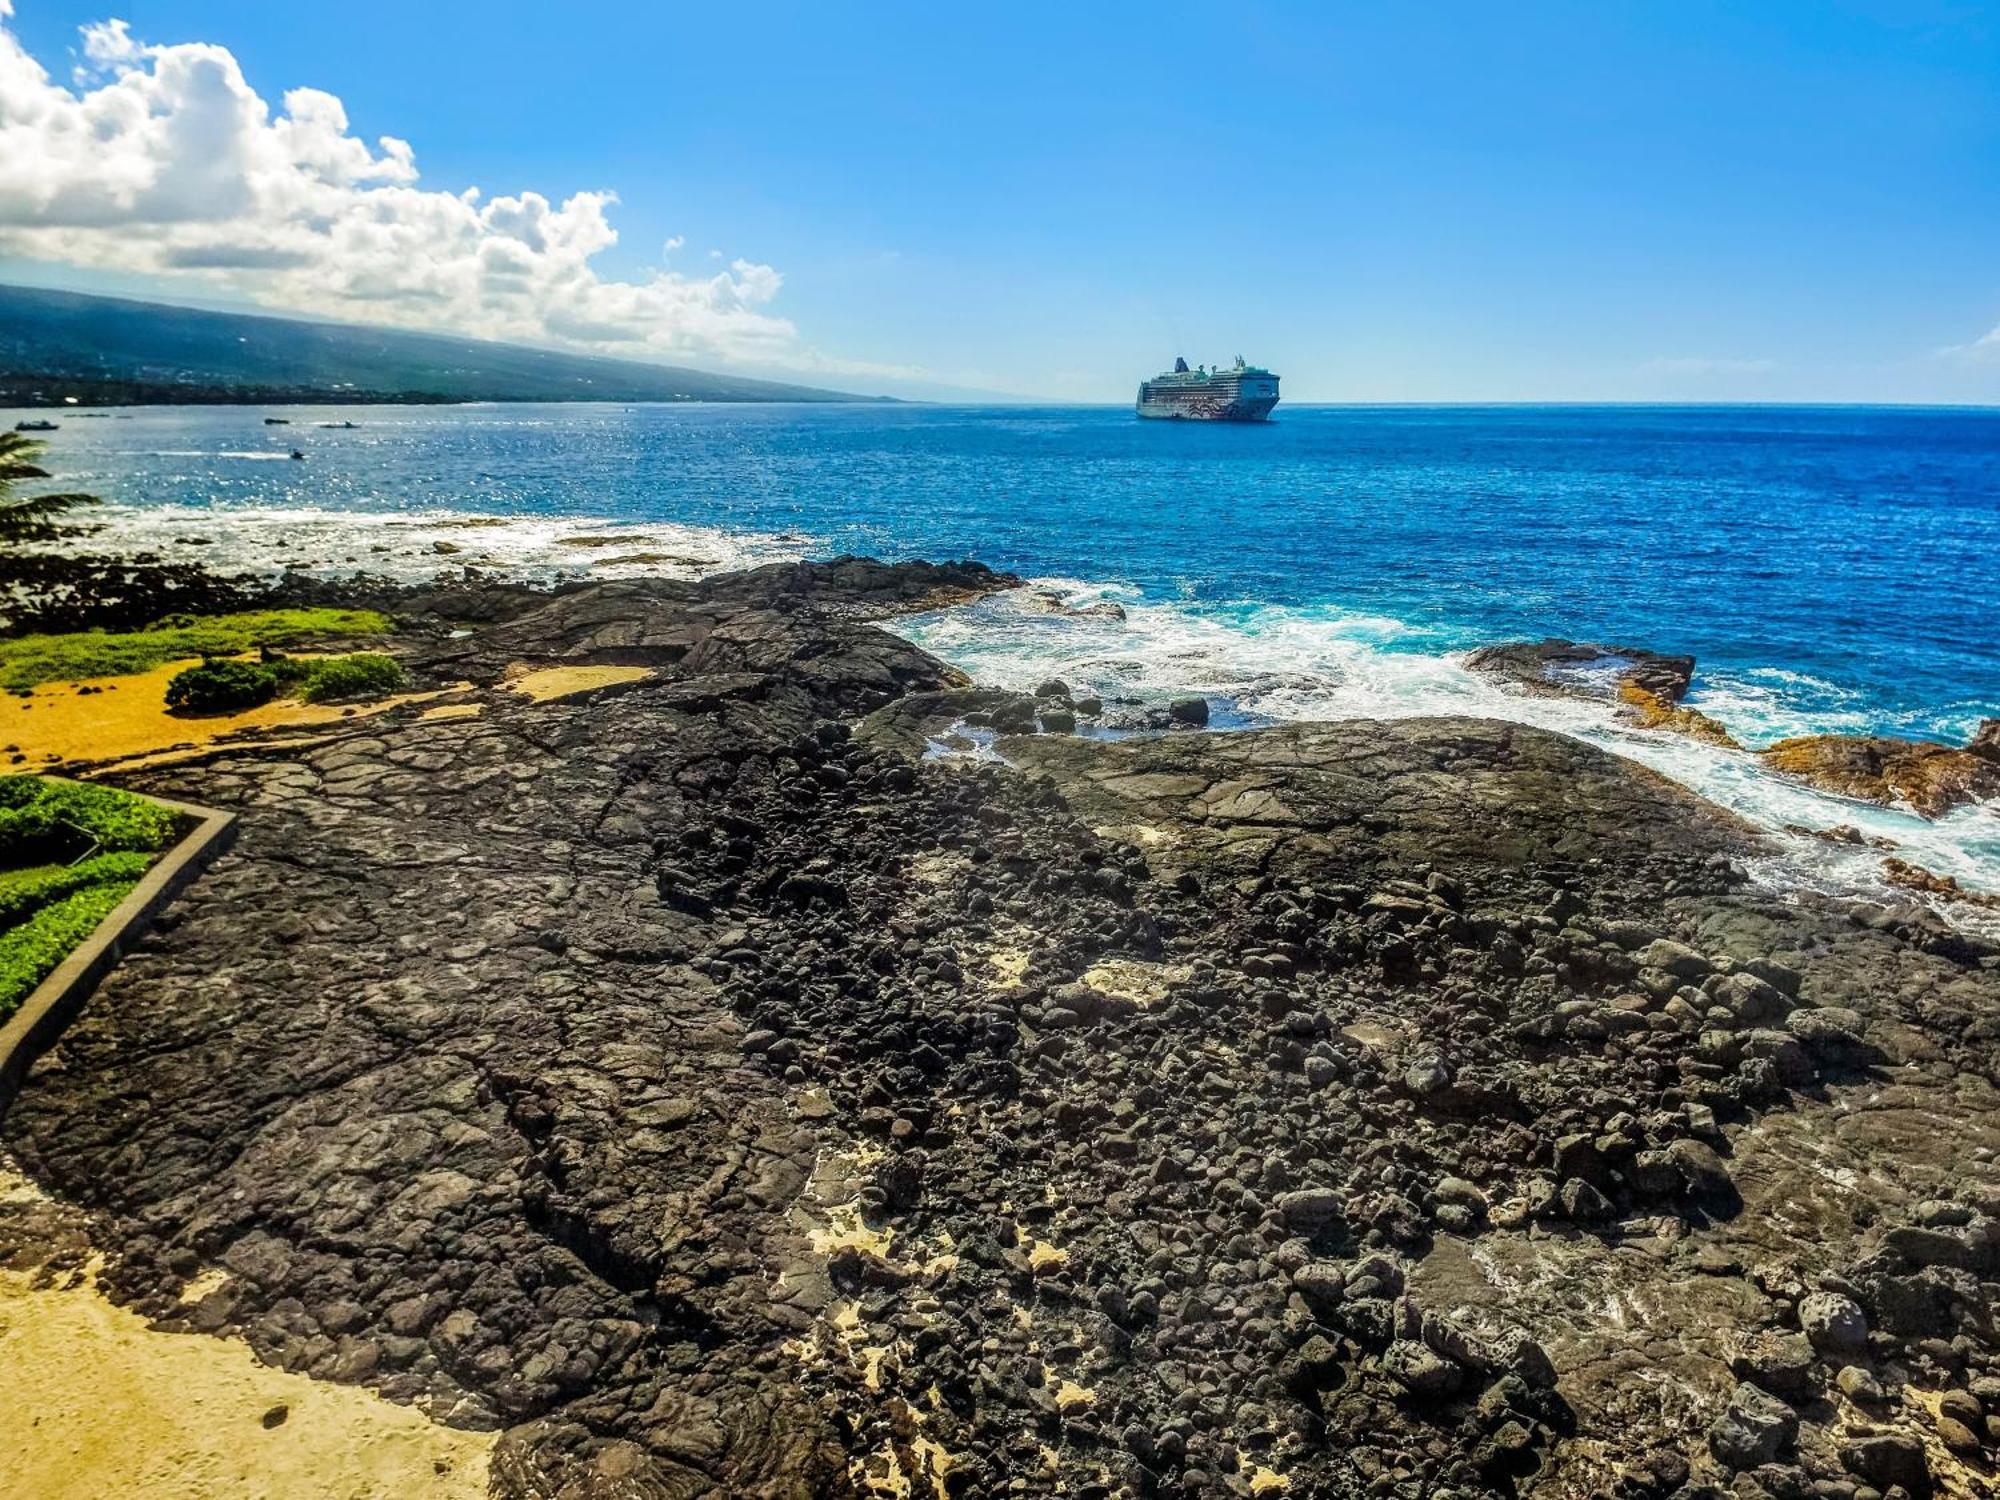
{"x":28,"y":661}
{"x":69,"y":853}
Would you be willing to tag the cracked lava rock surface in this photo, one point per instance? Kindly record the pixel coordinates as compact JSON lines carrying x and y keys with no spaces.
{"x":716,"y":1091}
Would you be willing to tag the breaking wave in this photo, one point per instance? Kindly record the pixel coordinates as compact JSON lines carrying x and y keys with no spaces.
{"x":411,"y":546}
{"x":1264,"y":664}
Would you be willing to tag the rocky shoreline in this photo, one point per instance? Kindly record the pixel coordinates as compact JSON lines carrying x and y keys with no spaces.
{"x":706,"y":1083}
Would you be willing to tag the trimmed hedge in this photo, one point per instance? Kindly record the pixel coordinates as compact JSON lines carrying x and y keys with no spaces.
{"x":43,"y":821}
{"x":25,"y":892}
{"x":48,"y":906}
{"x":30,"y":952}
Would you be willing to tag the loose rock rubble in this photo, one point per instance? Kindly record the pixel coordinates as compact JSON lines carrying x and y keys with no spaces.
{"x":724,"y":1092}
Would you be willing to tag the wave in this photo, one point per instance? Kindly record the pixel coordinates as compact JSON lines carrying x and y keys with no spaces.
{"x":1265,"y":664}
{"x":412,"y":546}
{"x":255,"y":454}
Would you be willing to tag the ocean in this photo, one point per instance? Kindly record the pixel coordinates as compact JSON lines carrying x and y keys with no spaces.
{"x":1832,"y":568}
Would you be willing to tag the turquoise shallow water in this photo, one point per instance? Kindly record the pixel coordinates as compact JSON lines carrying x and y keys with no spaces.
{"x":1832,"y":568}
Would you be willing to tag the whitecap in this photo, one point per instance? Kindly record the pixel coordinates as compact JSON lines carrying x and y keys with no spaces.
{"x":1279,"y":664}
{"x":416,"y":545}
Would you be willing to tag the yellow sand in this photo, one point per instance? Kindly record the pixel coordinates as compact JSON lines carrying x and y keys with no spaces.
{"x":544,"y":684}
{"x":59,"y":724}
{"x":98,"y":1405}
{"x":1072,"y":1398}
{"x":1142,"y":984}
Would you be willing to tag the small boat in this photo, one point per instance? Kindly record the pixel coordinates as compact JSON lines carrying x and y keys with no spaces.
{"x":298,"y":453}
{"x":277,"y":421}
{"x":35,"y":426}
{"x":337,"y":426}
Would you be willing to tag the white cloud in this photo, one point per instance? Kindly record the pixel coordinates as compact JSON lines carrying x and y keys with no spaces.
{"x":164,"y":160}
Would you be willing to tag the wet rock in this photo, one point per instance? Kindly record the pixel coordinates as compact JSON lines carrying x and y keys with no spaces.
{"x":1188,"y":713}
{"x":1575,"y":669}
{"x":1928,"y":777}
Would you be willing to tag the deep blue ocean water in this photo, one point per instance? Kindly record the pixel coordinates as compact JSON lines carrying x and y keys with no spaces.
{"x":1832,"y":568}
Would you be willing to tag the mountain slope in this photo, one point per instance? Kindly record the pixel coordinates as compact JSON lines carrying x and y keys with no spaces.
{"x":106,"y":349}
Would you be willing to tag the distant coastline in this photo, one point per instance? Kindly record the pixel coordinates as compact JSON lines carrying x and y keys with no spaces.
{"x":38,"y":389}
{"x":66,"y":348}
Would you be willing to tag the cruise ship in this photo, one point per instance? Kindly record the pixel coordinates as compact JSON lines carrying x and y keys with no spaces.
{"x":1242,"y":393}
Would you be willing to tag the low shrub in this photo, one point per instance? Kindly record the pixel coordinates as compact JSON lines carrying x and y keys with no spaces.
{"x":220,"y":687}
{"x":25,"y":892}
{"x":230,"y":686}
{"x":42,"y":820}
{"x":31,"y":951}
{"x":366,"y":674}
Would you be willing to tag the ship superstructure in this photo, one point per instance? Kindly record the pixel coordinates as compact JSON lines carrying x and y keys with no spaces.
{"x":1240,"y":393}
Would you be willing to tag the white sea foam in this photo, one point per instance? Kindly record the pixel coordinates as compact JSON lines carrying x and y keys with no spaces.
{"x":1275,"y":664}
{"x":405,"y":545}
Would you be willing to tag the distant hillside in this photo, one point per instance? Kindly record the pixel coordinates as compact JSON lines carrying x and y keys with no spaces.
{"x":109,"y":350}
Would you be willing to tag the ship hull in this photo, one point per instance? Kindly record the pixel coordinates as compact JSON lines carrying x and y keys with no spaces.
{"x":1244,"y":394}
{"x":1195,"y":407}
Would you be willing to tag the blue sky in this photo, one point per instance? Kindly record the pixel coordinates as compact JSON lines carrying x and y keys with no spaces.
{"x":1389,"y":202}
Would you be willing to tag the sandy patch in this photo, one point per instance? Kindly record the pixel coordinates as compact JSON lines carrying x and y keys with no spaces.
{"x":1072,"y":1398}
{"x":1009,"y":963}
{"x":1044,"y":1258}
{"x":545,"y":684}
{"x":938,"y":869}
{"x":453,"y":711}
{"x":1376,"y":1037}
{"x":911,"y":1466}
{"x":112,"y":718}
{"x":1139,"y":983}
{"x":99,"y":1404}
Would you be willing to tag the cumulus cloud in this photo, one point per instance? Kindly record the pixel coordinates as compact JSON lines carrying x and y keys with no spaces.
{"x":164,"y":160}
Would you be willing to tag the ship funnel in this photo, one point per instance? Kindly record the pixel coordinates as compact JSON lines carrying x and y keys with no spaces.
{"x":1180,"y":366}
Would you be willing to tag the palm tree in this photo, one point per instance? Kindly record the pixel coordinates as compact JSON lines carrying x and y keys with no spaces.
{"x":45,"y":585}
{"x":28,"y":520}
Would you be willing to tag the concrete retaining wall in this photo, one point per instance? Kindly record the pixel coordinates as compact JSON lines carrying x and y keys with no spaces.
{"x":57,"y":1000}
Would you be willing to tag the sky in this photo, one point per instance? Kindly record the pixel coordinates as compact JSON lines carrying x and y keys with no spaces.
{"x":1385,"y":202}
